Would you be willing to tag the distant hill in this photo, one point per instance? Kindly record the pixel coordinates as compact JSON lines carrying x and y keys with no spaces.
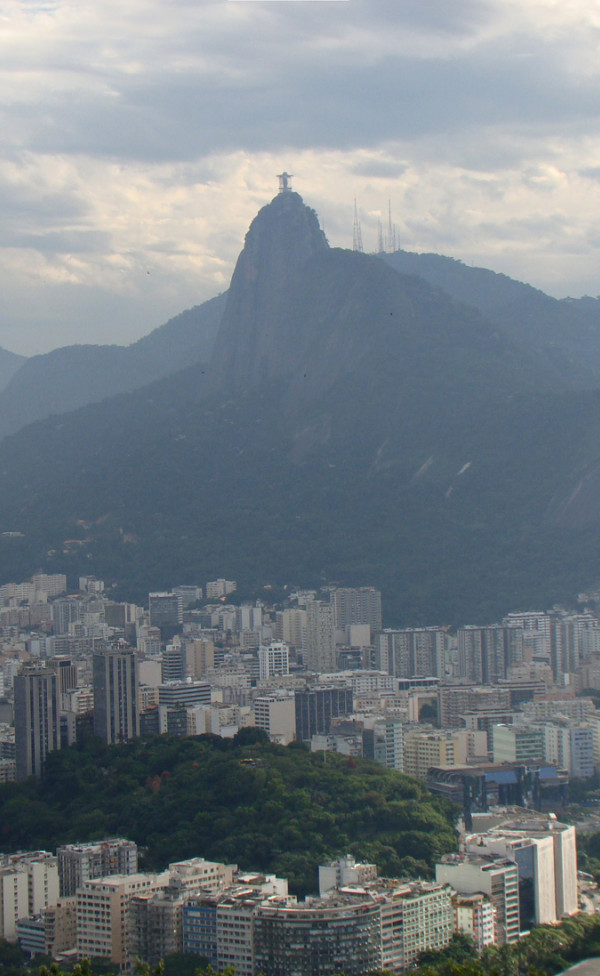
{"x":10,"y":362}
{"x":355,"y":425}
{"x":563,"y":335}
{"x":72,"y":376}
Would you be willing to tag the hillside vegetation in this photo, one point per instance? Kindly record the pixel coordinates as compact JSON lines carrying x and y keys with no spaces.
{"x":261,"y":806}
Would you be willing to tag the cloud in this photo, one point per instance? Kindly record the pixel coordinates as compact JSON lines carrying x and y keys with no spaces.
{"x":143,"y":136}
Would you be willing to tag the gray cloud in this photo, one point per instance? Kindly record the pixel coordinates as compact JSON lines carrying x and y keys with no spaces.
{"x":135,"y":132}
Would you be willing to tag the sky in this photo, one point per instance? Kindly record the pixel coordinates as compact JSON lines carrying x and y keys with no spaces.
{"x":139,"y":138}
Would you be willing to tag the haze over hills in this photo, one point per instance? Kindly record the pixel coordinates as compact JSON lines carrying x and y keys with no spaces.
{"x":356,"y":424}
{"x":10,"y":363}
{"x":72,"y":376}
{"x":564,"y":334}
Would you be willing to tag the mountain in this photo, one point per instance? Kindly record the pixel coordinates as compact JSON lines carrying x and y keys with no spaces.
{"x":564,"y":334}
{"x":10,"y":362}
{"x":72,"y":376}
{"x":355,"y":425}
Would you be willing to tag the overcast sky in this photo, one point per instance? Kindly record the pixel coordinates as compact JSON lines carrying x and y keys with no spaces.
{"x":138,"y":139}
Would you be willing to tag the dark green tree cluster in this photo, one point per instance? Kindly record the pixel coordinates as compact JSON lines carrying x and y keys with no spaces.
{"x":547,"y":949}
{"x":241,"y":801}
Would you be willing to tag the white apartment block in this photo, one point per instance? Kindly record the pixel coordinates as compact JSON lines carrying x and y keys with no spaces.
{"x":41,"y":871}
{"x":276,"y":715}
{"x":570,"y":746}
{"x":345,"y":871}
{"x":52,"y":584}
{"x":14,"y":901}
{"x":273,"y":660}
{"x":497,"y":878}
{"x":545,"y":852}
{"x":536,"y":632}
{"x":534,"y":857}
{"x":102,"y":920}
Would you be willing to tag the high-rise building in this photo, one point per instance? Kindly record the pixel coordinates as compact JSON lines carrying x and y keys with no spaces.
{"x":82,"y":862}
{"x":199,"y":657}
{"x":155,"y":924}
{"x":189,"y":594}
{"x":116,"y":714}
{"x":273,"y":660}
{"x":188,"y":694}
{"x":486,"y":653}
{"x":37,"y":718}
{"x":412,"y":652}
{"x":319,"y":647}
{"x":276,"y":715}
{"x":357,"y":605}
{"x":498,"y":878}
{"x":425,"y":747}
{"x":215,"y":589}
{"x":14,"y":901}
{"x":316,"y":707}
{"x":52,"y":584}
{"x":514,"y":743}
{"x":173,"y":665}
{"x":570,"y":746}
{"x":341,"y":932}
{"x":290,"y":626}
{"x":166,"y":609}
{"x":476,"y":917}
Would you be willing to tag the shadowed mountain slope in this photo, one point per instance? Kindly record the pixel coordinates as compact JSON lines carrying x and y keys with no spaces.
{"x":562,"y":335}
{"x":374,"y":430}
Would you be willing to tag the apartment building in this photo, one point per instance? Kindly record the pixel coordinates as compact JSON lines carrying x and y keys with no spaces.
{"x":102,"y":914}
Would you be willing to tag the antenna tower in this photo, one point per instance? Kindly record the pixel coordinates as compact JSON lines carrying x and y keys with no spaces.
{"x":380,"y":247}
{"x":357,"y":244}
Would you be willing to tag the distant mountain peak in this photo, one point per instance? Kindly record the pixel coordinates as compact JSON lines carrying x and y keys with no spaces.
{"x":281,"y":239}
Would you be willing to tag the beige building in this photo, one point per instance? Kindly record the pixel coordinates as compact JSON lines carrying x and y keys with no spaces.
{"x":290,"y":626}
{"x":425,"y":747}
{"x":197,"y":873}
{"x":476,"y":917}
{"x":199,"y":657}
{"x":60,"y":924}
{"x":102,"y":916}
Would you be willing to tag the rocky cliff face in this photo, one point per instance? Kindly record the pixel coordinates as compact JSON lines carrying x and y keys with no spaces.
{"x":256,"y":341}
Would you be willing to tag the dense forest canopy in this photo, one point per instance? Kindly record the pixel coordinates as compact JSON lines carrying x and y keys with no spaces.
{"x":243,"y":801}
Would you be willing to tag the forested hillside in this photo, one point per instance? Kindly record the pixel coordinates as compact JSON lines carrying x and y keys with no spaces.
{"x":260,"y":806}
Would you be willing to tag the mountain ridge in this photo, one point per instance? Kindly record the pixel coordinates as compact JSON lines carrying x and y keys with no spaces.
{"x":390,"y":435}
{"x":72,"y":376}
